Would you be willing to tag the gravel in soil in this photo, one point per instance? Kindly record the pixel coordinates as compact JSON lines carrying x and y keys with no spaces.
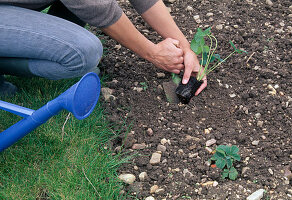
{"x":248,"y":103}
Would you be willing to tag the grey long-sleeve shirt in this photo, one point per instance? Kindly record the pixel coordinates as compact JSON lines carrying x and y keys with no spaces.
{"x":99,"y":13}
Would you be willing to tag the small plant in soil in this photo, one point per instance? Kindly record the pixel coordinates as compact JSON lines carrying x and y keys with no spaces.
{"x":144,"y":85}
{"x":209,"y":62}
{"x":224,"y":157}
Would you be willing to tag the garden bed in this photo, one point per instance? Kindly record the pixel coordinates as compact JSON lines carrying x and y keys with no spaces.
{"x":247,"y":103}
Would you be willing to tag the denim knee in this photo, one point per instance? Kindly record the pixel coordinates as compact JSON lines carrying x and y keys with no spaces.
{"x":91,"y":49}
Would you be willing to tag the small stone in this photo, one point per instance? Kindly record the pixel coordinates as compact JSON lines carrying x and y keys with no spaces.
{"x":244,"y":170}
{"x":270,"y":171}
{"x":169,"y":9}
{"x":196,"y":17}
{"x":159,"y":190}
{"x":269,"y":2}
{"x":107,"y":93}
{"x":235,"y":26}
{"x":155,"y":158}
{"x":153,"y":189}
{"x":164,"y":141}
{"x":215,"y":183}
{"x":210,"y":14}
{"x":139,"y":146}
{"x":161,"y":148}
{"x":150,"y":198}
{"x":256,"y":67}
{"x":232,"y":95}
{"x":255,"y":142}
{"x":257,"y":195}
{"x":208,"y":183}
{"x":127,"y":178}
{"x":143,"y":176}
{"x":160,"y":75}
{"x":192,"y":147}
{"x":207,"y":130}
{"x":209,"y":149}
{"x":219,"y":27}
{"x":260,"y":123}
{"x":189,"y":8}
{"x":149,"y":131}
{"x":118,"y":47}
{"x":279,"y":30}
{"x":192,"y":155}
{"x":258,"y":115}
{"x":171,"y":1}
{"x":186,"y":171}
{"x":138,"y":89}
{"x":210,"y":142}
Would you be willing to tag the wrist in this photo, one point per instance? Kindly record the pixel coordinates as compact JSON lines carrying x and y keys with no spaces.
{"x":150,"y":51}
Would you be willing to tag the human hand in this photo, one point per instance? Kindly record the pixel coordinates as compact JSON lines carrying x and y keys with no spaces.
{"x":168,"y":56}
{"x":192,"y":68}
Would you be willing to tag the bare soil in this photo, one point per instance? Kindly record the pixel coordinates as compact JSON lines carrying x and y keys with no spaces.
{"x":247,"y":103}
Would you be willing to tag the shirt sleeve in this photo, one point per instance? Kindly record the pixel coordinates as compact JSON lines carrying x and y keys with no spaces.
{"x":99,"y":13}
{"x":142,"y":5}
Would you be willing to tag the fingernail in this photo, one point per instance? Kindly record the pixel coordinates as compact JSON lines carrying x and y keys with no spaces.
{"x":185,"y":81}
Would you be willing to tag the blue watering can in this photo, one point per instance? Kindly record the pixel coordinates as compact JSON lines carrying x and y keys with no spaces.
{"x":80,"y":99}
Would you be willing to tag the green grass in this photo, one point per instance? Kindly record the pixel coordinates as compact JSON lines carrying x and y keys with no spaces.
{"x":51,"y":163}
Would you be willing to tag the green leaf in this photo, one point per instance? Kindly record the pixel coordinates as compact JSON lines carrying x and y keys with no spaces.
{"x":217,"y":56}
{"x":231,"y":43}
{"x":236,"y":157}
{"x":229,"y":162}
{"x":175,"y":78}
{"x":233,"y":173}
{"x":206,"y":49}
{"x":228,"y":150}
{"x":236,"y":49}
{"x":234,"y":149}
{"x":220,"y":163}
{"x":207,"y":31}
{"x":222,"y":148}
{"x":199,"y":34}
{"x":225,"y":173}
{"x":221,"y":151}
{"x":196,"y":47}
{"x":218,"y":155}
{"x":204,"y":60}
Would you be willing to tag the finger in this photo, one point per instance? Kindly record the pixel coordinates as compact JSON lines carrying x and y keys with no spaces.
{"x":176,"y":71}
{"x":187,"y":73}
{"x":179,"y":60}
{"x":179,"y":67}
{"x":203,"y":86}
{"x":179,"y":52}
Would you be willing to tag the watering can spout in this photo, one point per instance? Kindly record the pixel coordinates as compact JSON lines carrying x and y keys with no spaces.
{"x":80,"y":99}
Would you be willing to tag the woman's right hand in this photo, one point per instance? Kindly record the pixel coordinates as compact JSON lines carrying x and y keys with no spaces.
{"x":168,"y":56}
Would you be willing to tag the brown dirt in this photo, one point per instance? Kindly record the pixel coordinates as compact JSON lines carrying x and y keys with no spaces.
{"x":258,"y":28}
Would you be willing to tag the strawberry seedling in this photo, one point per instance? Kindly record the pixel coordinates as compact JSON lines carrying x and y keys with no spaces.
{"x":224,"y":158}
{"x":209,"y":62}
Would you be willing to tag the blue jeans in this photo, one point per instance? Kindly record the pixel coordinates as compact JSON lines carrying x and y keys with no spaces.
{"x":55,"y":48}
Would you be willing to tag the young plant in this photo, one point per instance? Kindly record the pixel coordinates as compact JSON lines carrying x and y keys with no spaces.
{"x":209,"y":61}
{"x":144,"y":85}
{"x":224,"y":157}
{"x":207,"y":52}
